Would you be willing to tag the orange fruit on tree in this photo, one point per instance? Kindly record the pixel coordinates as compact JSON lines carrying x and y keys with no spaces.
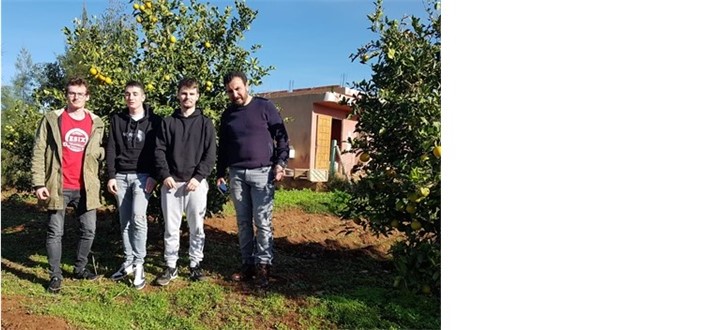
{"x":364,"y":157}
{"x":426,"y":289}
{"x":437,"y":151}
{"x":411,"y":208}
{"x":416,"y":225}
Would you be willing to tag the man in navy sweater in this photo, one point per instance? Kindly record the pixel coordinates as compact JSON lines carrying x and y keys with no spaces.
{"x":253,"y":143}
{"x":185,"y":155}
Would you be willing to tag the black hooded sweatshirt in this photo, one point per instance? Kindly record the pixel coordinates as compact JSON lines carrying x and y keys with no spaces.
{"x":131,"y":144}
{"x":186,"y":147}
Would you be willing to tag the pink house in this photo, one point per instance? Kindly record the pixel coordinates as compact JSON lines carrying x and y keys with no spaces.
{"x":316,"y":117}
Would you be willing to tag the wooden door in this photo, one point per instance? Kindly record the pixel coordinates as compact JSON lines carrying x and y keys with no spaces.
{"x":322,"y":143}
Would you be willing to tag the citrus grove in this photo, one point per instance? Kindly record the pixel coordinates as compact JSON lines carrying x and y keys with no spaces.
{"x":399,"y":145}
{"x":162,"y":42}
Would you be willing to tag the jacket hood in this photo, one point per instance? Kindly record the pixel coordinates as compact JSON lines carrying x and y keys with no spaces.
{"x":132,"y":127}
{"x":148,"y":112}
{"x":178,"y":113}
{"x":93,"y":116}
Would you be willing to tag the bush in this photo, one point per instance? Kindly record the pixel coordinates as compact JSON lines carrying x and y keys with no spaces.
{"x":398,"y":146}
{"x":19,"y":122}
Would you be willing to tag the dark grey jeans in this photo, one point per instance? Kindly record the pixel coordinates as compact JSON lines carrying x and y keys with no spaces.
{"x":55,"y":229}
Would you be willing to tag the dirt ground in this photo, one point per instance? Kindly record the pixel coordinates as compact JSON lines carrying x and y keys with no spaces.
{"x":310,"y":235}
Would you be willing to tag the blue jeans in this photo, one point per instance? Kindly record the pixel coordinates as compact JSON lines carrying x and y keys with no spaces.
{"x":132,"y":202}
{"x":55,"y":230}
{"x":253,"y":194}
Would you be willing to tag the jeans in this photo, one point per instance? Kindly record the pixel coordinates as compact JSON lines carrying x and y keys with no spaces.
{"x":193,"y":204}
{"x":132,"y":202}
{"x":55,"y":230}
{"x":253,"y":194}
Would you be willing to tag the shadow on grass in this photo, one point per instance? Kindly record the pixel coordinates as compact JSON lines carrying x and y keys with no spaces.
{"x":24,"y":229}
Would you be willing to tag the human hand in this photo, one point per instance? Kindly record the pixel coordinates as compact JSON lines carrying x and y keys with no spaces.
{"x":169,"y":182}
{"x":222,"y":185}
{"x":150,"y":185}
{"x":42,"y":193}
{"x":279,"y":173}
{"x":112,"y":186}
{"x":192,"y":185}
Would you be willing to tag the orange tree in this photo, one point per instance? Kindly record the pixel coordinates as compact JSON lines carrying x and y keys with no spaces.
{"x":162,"y":42}
{"x":19,"y":117}
{"x":399,"y":143}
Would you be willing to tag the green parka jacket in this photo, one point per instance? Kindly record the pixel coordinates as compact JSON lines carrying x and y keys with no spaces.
{"x":47,"y":156}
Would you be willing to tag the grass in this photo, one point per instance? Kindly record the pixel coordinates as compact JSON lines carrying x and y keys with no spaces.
{"x":343,"y":290}
{"x":307,"y":200}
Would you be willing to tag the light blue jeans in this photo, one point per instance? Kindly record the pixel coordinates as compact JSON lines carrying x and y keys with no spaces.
{"x":132,"y":202}
{"x":253,"y":194}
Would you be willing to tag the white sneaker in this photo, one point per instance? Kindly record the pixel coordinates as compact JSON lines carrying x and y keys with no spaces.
{"x":122,"y":272}
{"x":139,"y":281}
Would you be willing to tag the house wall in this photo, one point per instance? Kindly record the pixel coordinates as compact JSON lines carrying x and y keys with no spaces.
{"x":303,"y":108}
{"x":301,"y":127}
{"x":347,"y":130}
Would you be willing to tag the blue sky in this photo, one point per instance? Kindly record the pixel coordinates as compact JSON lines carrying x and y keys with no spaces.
{"x":308,"y":41}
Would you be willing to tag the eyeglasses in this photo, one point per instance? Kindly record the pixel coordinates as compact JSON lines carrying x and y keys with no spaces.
{"x":75,"y":94}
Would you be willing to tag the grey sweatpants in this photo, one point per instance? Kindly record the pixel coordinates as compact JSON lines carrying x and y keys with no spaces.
{"x":193,"y":204}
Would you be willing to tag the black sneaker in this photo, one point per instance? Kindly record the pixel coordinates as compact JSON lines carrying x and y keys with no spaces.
{"x":55,"y":285}
{"x":246,"y":273}
{"x":263,"y":275}
{"x":85,"y":275}
{"x":196,"y":273}
{"x":169,"y":275}
{"x":122,"y":272}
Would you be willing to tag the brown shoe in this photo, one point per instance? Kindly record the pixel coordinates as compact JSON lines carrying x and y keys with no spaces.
{"x":263,"y":275}
{"x":247,"y":271}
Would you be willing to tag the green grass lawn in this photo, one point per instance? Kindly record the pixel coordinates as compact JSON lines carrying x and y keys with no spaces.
{"x":339,"y":290}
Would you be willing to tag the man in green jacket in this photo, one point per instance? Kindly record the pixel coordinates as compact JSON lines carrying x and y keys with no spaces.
{"x":65,"y":172}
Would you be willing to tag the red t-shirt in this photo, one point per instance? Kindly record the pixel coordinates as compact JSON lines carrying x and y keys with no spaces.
{"x":75,"y":135}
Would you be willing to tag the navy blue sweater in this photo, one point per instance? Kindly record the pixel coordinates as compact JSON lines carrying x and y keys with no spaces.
{"x":186,"y":147}
{"x":251,"y":136}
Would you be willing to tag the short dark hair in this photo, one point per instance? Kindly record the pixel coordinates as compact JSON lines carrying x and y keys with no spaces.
{"x":135,"y":83}
{"x":78,"y":82}
{"x":188,"y":83}
{"x":234,"y":74}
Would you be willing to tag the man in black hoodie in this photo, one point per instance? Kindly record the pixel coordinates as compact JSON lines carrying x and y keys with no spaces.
{"x":131,"y":169}
{"x":185,"y":156}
